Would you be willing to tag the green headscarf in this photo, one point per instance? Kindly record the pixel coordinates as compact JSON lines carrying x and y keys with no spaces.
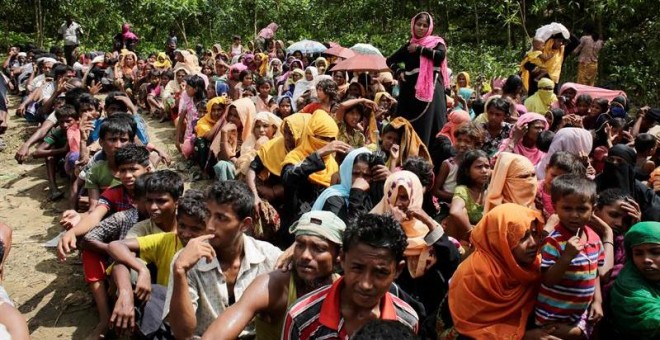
{"x":635,"y":301}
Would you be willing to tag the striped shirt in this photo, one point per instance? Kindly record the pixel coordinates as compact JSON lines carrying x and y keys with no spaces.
{"x":567,"y":300}
{"x":317,"y":315}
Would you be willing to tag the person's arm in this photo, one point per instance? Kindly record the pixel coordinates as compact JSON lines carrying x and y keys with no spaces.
{"x":638,"y":121}
{"x":437,"y":54}
{"x":296,"y":175}
{"x":122,"y":251}
{"x":161,"y":152}
{"x":93,"y":195}
{"x":573,"y":42}
{"x":5,"y":236}
{"x":181,"y":304}
{"x":23,"y":152}
{"x":460,"y":218}
{"x":14,"y":321}
{"x":259,"y":297}
{"x":250,"y":179}
{"x":596,"y":307}
{"x":47,"y":107}
{"x":123,"y":314}
{"x":579,"y":47}
{"x":440,"y":181}
{"x":44,"y":150}
{"x":395,"y":59}
{"x":226,"y":150}
{"x":68,"y":241}
{"x":607,"y":236}
{"x":555,"y":272}
{"x":180,"y":129}
{"x":343,"y":106}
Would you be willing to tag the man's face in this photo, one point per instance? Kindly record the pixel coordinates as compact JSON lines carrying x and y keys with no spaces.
{"x":113,"y":141}
{"x":161,"y":207}
{"x":225,"y":225}
{"x":368,"y":274}
{"x":67,"y":122}
{"x":189,"y":227}
{"x":128,"y":173}
{"x":314,"y":258}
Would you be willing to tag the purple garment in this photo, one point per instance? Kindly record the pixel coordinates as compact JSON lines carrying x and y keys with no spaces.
{"x":619,"y":262}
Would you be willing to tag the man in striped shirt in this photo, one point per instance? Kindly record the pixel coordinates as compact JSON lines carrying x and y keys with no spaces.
{"x":371,"y":257}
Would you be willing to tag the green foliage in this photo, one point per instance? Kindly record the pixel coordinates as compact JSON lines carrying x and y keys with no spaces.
{"x":489,"y":61}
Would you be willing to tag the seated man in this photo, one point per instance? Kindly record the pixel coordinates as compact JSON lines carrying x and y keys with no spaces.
{"x":211,"y":273}
{"x":316,"y":250}
{"x":371,"y":257}
{"x":158,"y":249}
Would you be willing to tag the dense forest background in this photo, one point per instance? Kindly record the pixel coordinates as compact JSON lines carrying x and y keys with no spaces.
{"x":484,"y":37}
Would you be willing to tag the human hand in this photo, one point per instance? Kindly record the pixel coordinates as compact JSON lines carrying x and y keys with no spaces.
{"x":601,"y":228}
{"x":123,"y":314}
{"x":360,"y":184}
{"x":573,"y":247}
{"x":143,"y":285}
{"x":412,"y":48}
{"x":69,"y":219}
{"x":632,"y":209}
{"x":285,"y":261}
{"x":66,"y":245}
{"x":541,"y":334}
{"x":229,"y":127}
{"x":379,"y":173}
{"x":95,"y":88}
{"x":334,"y":146}
{"x":595,"y":312}
{"x":421,"y":215}
{"x":20,"y":111}
{"x":520,"y":132}
{"x":402,"y":77}
{"x":22,"y":154}
{"x":394,"y":152}
{"x":195,"y":250}
{"x":399,"y":214}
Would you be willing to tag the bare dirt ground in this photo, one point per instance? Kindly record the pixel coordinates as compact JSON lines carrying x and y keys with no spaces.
{"x":51,"y":295}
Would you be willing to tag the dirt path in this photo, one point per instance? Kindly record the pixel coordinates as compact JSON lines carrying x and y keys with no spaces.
{"x":51,"y":295}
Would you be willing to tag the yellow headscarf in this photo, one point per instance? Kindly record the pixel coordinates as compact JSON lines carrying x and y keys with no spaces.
{"x":272,"y":154}
{"x":467,"y":80}
{"x":320,"y":125}
{"x":263,"y":68}
{"x":372,"y":129}
{"x":411,"y":145}
{"x":246,"y":111}
{"x":206,"y":123}
{"x":542,"y":100}
{"x":163,"y":61}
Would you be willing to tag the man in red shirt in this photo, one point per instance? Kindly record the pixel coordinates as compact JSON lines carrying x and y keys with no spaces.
{"x":372,"y":257}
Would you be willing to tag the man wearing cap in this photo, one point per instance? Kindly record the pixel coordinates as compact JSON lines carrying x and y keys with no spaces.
{"x":371,"y":257}
{"x":316,"y":252}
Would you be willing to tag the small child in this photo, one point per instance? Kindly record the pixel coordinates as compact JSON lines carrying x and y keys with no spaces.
{"x":467,"y":205}
{"x":468,"y":137}
{"x":582,"y":104}
{"x":236,"y":47}
{"x":264,"y":101}
{"x":284,"y":108}
{"x":536,"y":57}
{"x":350,"y":126}
{"x":188,"y":115}
{"x":646,"y":146}
{"x":61,"y":141}
{"x":560,"y":163}
{"x":154,"y":90}
{"x":571,"y":258}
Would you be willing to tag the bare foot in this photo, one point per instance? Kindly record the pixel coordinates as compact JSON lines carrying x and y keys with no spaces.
{"x":98,"y":332}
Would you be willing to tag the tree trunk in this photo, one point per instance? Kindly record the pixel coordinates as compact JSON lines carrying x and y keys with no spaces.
{"x":476,"y":23}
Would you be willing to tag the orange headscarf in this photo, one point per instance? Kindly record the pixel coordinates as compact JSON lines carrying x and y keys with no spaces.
{"x":246,"y":111}
{"x":490,"y":294}
{"x":511,"y":182}
{"x":418,"y":254}
{"x":411,"y":144}
{"x":456,"y":118}
{"x":320,"y":125}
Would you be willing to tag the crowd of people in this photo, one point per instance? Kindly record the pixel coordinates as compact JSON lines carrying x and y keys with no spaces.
{"x":399,"y":204}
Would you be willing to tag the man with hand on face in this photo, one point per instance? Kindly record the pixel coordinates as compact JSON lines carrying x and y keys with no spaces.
{"x":371,"y":257}
{"x":213,"y":271}
{"x":316,"y":250}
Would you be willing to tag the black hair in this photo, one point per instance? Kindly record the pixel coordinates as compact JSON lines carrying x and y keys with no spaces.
{"x":422,"y":168}
{"x":235,"y":193}
{"x":568,"y":163}
{"x":198,"y":84}
{"x":59,"y":70}
{"x":500,"y":104}
{"x":557,"y":116}
{"x":544,"y":140}
{"x":609,"y":196}
{"x":111,"y":99}
{"x":252,"y":89}
{"x":166,"y":181}
{"x":359,"y":108}
{"x":132,"y":154}
{"x":422,"y":15}
{"x":644,"y":142}
{"x":72,"y":96}
{"x":244,"y":74}
{"x":155,"y":73}
{"x":463,"y":173}
{"x":378,"y":231}
{"x":584,"y":98}
{"x":330,"y":88}
{"x":572,"y":184}
{"x":391,"y":128}
{"x":263,"y":81}
{"x":169,"y":74}
{"x":379,"y":329}
{"x":478,"y":106}
{"x":121,"y":123}
{"x":588,"y":29}
{"x":87,"y":99}
{"x":55,"y":50}
{"x":66,"y":111}
{"x":602,"y":103}
{"x":512,"y":85}
{"x":192,"y":204}
{"x":140,"y":188}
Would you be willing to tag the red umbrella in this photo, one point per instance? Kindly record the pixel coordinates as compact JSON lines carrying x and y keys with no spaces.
{"x":365,"y":63}
{"x":341,"y":52}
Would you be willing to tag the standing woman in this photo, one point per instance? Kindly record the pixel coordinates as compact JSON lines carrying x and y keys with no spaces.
{"x":423,"y":79}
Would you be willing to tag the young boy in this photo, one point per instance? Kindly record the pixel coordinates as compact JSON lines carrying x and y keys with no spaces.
{"x":264,"y":101}
{"x":572,"y":256}
{"x":158,"y":249}
{"x":59,"y":143}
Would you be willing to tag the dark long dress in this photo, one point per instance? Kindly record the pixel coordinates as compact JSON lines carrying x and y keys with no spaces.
{"x":426,"y":118}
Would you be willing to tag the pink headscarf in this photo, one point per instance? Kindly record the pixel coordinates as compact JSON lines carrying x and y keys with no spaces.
{"x":533,"y":154}
{"x":424,"y":86}
{"x":456,"y":118}
{"x":126,"y":32}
